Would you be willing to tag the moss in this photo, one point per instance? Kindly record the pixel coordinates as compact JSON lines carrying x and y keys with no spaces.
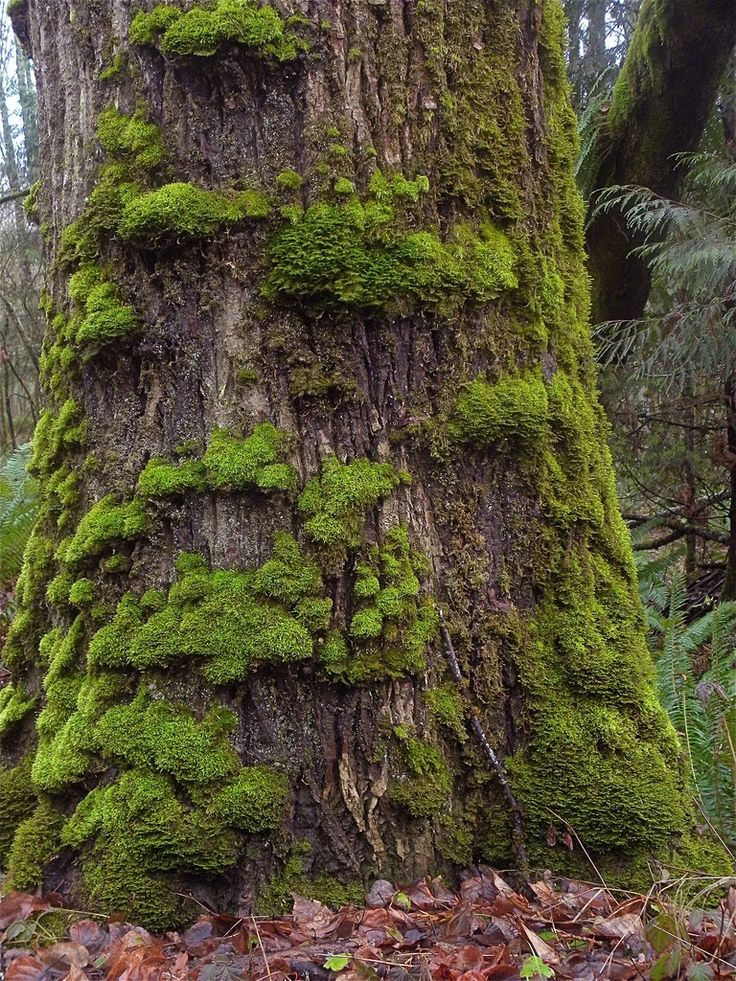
{"x":338,"y":501}
{"x":513,"y":411}
{"x":254,"y":801}
{"x":82,"y":593}
{"x":55,"y":434}
{"x":289,"y":180}
{"x":18,"y":801}
{"x":231,"y":620}
{"x":343,"y":186}
{"x":200,"y":31}
{"x":30,"y":203}
{"x":162,"y":479}
{"x":36,"y":841}
{"x":183,"y":210}
{"x":132,"y":139}
{"x":253,"y":462}
{"x":427,"y":788}
{"x":155,"y":735}
{"x":446,"y":706}
{"x":104,"y":318}
{"x":277,"y":897}
{"x":57,"y":592}
{"x":133,"y":834}
{"x":391,"y":624}
{"x":105,"y":524}
{"x":114,"y":69}
{"x":15,"y":705}
{"x":355,"y":254}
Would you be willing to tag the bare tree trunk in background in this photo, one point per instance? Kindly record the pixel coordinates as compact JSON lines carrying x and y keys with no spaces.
{"x":319,"y":359}
{"x":27,"y":100}
{"x":728,"y":592}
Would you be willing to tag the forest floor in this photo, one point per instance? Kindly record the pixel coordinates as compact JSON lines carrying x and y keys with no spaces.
{"x":568,"y":929}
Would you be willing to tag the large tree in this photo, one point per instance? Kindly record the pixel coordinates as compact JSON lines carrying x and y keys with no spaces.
{"x":319,"y":367}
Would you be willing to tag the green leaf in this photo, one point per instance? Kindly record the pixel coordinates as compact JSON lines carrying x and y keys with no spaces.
{"x":534,"y":967}
{"x":337,"y":962}
{"x":699,"y":972}
{"x":402,"y":900}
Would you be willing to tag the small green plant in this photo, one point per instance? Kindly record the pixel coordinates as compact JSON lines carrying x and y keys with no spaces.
{"x":336,"y":962}
{"x":534,"y":967}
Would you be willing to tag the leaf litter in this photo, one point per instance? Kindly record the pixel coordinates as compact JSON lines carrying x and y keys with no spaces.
{"x":565,"y":929}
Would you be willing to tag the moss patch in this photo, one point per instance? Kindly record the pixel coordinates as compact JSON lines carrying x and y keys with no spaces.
{"x":182,"y":210}
{"x":200,"y":31}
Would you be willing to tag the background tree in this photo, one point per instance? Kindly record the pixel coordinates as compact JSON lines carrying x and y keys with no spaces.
{"x":319,"y":361}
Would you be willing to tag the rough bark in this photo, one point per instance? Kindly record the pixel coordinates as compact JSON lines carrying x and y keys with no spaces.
{"x":401,"y":294}
{"x":659,"y":107}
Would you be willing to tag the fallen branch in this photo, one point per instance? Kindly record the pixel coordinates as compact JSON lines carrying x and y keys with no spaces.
{"x":517,"y":815}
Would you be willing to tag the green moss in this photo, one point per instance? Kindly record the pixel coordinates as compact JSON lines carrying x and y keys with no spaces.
{"x":154,"y":735}
{"x":82,"y":593}
{"x":338,"y":501}
{"x":105,"y":524}
{"x":55,"y":434}
{"x":200,"y":31}
{"x":162,"y":479}
{"x":446,"y":706}
{"x":104,"y":319}
{"x":253,"y":462}
{"x":133,"y":835}
{"x":114,"y":69}
{"x":391,"y":624}
{"x":231,"y":620}
{"x":131,"y":139}
{"x":254,"y":801}
{"x":15,"y":705}
{"x":343,"y":186}
{"x":57,"y":592}
{"x":18,"y":801}
{"x":426,"y":790}
{"x":30,"y":202}
{"x":513,"y":411}
{"x":36,"y":841}
{"x":277,"y":897}
{"x":289,"y":180}
{"x":183,"y":210}
{"x":356,"y":254}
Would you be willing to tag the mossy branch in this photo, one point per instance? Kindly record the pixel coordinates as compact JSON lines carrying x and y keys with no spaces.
{"x":517,"y":815}
{"x":659,"y":108}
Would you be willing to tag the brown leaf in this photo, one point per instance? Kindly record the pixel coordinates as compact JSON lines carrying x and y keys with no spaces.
{"x":313,"y":917}
{"x":19,"y":906}
{"x":540,"y":947}
{"x":88,"y":933}
{"x":65,"y":955}
{"x":618,"y":927}
{"x":28,"y":969}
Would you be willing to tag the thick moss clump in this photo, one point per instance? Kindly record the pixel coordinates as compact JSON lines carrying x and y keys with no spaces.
{"x":356,"y":254}
{"x":100,"y":317}
{"x":183,"y":210}
{"x":36,"y":841}
{"x":14,"y":707}
{"x":104,"y":525}
{"x":513,"y":410}
{"x":133,"y":834}
{"x":254,"y":801}
{"x":18,"y":801}
{"x":132,"y":140}
{"x":254,"y":462}
{"x":338,"y":501}
{"x":231,"y":621}
{"x":391,"y":624}
{"x":200,"y":31}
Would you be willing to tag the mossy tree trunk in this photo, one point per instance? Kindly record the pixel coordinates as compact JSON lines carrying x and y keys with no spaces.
{"x":317,"y":360}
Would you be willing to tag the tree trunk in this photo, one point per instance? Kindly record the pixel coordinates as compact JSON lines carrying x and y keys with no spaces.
{"x":318,"y":360}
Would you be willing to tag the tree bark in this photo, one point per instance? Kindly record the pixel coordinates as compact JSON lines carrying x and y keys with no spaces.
{"x":659,"y":107}
{"x":322,"y":363}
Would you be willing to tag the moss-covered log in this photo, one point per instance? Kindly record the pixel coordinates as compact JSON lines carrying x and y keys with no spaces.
{"x":659,"y":108}
{"x":318,"y":360}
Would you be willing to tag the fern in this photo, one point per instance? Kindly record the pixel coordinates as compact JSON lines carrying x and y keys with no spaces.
{"x":701,"y":707}
{"x":18,"y":508}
